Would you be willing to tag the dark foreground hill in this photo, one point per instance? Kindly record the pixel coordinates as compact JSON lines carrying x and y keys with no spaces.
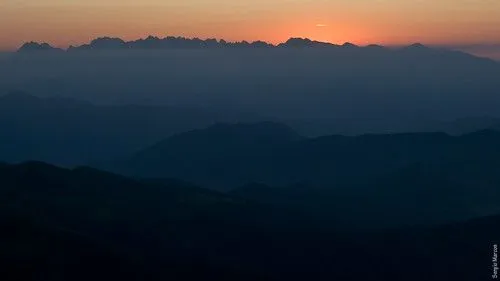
{"x":84,"y":224}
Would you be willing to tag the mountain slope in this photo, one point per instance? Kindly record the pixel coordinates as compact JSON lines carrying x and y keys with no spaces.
{"x":222,"y":151}
{"x":85,"y":224}
{"x":155,"y":228}
{"x":217,"y":157}
{"x":399,"y":179}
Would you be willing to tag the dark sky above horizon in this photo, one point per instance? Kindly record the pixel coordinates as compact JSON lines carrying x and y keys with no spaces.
{"x":470,"y":23}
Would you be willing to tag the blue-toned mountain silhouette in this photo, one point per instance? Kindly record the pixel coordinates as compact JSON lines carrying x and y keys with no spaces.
{"x":173,"y":42}
{"x":32,"y":47}
{"x":70,"y":132}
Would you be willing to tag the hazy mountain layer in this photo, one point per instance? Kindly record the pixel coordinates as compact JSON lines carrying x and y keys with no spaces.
{"x":349,"y":89}
{"x":70,"y":132}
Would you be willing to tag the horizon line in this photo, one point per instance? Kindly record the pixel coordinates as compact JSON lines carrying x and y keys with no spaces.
{"x":221,"y":40}
{"x":463,"y":47}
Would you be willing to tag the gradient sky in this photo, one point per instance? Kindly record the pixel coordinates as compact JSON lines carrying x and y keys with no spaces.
{"x":389,"y":22}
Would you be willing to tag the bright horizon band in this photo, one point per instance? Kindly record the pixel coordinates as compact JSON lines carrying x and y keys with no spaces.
{"x":387,"y":22}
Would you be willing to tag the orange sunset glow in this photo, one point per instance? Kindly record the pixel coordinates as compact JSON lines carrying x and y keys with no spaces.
{"x":64,"y":23}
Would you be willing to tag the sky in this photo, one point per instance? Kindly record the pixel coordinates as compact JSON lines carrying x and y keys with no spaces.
{"x":473,"y":24}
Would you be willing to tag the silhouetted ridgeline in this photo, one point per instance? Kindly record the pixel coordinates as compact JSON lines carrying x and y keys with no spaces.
{"x":151,"y":42}
{"x":107,"y":43}
{"x":172,"y":42}
{"x":37,"y":47}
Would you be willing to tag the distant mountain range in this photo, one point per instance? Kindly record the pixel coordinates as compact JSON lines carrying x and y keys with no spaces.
{"x":37,"y":47}
{"x":171,"y":42}
{"x":151,"y":42}
{"x":370,"y":89}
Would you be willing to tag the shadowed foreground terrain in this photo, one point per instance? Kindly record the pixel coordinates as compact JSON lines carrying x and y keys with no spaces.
{"x":85,"y":224}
